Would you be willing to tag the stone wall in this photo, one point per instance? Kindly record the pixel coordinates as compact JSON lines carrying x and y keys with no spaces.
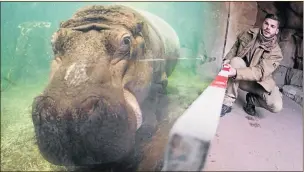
{"x":242,"y":17}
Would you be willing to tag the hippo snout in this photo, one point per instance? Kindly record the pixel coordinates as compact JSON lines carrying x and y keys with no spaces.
{"x":96,"y":131}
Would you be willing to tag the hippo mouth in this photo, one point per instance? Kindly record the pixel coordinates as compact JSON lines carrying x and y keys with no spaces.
{"x":97,"y":131}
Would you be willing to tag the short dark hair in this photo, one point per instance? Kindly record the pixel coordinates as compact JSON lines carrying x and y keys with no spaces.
{"x":273,"y":17}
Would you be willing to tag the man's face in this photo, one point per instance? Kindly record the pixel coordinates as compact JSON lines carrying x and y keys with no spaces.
{"x":270,"y":28}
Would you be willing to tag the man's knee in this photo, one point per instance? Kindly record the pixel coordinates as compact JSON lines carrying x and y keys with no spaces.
{"x":237,"y":62}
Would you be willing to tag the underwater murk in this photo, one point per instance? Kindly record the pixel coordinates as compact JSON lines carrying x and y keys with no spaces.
{"x":26,"y":54}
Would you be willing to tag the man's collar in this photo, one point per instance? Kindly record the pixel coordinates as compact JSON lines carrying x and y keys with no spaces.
{"x":254,"y":31}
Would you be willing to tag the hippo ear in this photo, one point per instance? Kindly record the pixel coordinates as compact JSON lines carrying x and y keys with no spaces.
{"x":139,"y":27}
{"x":58,"y":40}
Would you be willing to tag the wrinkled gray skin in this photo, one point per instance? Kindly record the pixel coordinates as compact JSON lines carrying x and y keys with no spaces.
{"x":103,"y":80}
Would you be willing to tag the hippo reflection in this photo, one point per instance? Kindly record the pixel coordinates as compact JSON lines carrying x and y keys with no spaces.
{"x":104,"y":84}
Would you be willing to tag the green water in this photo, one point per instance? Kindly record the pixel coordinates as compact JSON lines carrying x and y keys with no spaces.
{"x":26,"y":29}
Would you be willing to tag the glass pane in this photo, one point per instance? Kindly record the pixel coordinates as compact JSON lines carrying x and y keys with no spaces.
{"x":114,"y":75}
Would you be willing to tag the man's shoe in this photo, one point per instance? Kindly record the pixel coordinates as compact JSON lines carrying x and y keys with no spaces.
{"x":225,"y":109}
{"x":249,"y":107}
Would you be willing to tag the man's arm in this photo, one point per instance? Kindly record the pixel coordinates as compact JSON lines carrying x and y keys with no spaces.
{"x":232,"y":52}
{"x":266,"y":67}
{"x":234,"y":49}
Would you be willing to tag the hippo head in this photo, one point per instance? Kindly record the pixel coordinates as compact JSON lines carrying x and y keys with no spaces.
{"x":90,"y":110}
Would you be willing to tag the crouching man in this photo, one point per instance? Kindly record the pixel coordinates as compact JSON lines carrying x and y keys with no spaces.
{"x":253,"y":58}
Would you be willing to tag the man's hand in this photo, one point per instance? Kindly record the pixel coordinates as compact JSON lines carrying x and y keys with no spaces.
{"x":232,"y":71}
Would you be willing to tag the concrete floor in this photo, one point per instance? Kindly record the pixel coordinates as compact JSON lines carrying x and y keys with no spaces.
{"x":268,"y":142}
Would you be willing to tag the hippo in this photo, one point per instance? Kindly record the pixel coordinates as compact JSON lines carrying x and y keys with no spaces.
{"x":107,"y":85}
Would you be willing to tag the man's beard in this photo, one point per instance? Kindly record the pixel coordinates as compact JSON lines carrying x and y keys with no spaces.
{"x":267,"y":32}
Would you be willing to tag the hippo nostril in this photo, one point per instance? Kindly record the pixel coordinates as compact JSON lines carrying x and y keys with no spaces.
{"x":43,"y":109}
{"x":89,"y":104}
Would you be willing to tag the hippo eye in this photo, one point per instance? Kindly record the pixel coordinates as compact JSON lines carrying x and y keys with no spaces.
{"x":126,"y":40}
{"x":125,"y":44}
{"x":124,"y":47}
